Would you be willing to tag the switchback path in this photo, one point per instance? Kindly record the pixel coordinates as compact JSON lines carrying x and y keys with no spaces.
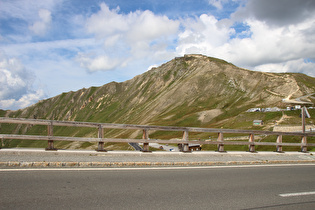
{"x":86,"y":158}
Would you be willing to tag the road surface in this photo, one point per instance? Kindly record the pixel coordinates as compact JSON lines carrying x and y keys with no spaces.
{"x":246,"y":187}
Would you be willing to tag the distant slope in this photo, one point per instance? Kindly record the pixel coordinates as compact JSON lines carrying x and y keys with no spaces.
{"x":193,"y":90}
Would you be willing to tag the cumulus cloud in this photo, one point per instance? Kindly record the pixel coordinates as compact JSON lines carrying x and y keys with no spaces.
{"x":16,"y":84}
{"x":204,"y":35}
{"x":25,"y":101}
{"x":152,"y":66}
{"x":217,"y":3}
{"x":297,"y":66}
{"x":268,"y":43}
{"x":106,"y":22}
{"x":127,"y":36}
{"x":41,"y":26}
{"x":273,"y":33}
{"x":97,"y":63}
{"x":147,"y":26}
{"x":135,"y":26}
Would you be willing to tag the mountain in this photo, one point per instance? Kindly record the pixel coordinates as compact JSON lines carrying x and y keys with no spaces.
{"x":193,"y":90}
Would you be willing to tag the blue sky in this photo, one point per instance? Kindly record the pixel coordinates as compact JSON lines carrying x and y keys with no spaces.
{"x":52,"y":46}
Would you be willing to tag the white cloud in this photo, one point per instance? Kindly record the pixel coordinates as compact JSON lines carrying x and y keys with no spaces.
{"x":14,"y":78}
{"x":26,"y":18}
{"x":152,"y":66}
{"x":106,"y":22}
{"x":25,"y":101}
{"x":297,"y":66}
{"x":202,"y":35}
{"x":263,"y":45}
{"x":270,"y":45}
{"x":16,"y":84}
{"x":146,"y":26}
{"x":41,"y":26}
{"x":98,"y":63}
{"x":127,"y":36}
{"x":143,"y":34}
{"x":217,"y":3}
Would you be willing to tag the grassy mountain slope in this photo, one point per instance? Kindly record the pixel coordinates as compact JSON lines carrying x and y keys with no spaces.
{"x":193,"y":90}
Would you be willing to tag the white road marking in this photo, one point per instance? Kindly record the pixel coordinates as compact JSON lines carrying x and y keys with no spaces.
{"x":147,"y":168}
{"x":297,"y":194}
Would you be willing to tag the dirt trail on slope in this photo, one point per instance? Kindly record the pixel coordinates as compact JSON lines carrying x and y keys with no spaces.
{"x":291,"y":80}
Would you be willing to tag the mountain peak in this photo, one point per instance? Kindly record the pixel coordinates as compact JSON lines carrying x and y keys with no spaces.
{"x":195,"y":56}
{"x":187,"y":84}
{"x":188,"y":57}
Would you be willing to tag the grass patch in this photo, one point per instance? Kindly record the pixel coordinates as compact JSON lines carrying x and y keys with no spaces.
{"x":117,"y":146}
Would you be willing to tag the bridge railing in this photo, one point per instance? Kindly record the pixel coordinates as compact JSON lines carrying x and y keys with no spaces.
{"x":184,"y":141}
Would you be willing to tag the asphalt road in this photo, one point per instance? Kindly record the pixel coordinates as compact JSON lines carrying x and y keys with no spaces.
{"x":249,"y":187}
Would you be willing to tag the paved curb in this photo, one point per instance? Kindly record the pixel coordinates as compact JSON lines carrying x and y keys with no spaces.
{"x":144,"y":164}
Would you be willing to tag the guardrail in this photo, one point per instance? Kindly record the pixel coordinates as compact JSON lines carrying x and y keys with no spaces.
{"x":184,"y":142}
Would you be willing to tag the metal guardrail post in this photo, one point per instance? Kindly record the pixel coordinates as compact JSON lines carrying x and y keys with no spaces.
{"x":100,"y":147}
{"x":50,"y":133}
{"x":220,"y":146}
{"x":251,"y":140}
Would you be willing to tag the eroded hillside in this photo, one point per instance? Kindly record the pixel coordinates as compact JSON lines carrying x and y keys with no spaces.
{"x":193,"y":90}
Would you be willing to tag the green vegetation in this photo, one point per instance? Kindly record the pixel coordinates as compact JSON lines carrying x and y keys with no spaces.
{"x":220,"y":61}
{"x":174,"y":94}
{"x":2,"y":113}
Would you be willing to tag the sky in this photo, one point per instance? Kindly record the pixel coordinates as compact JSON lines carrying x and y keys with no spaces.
{"x":48,"y":47}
